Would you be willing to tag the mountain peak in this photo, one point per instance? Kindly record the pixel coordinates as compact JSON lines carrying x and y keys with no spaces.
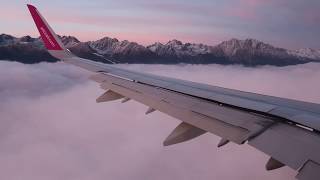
{"x":26,"y":39}
{"x":234,"y":42}
{"x":175,"y":42}
{"x":70,"y":38}
{"x":233,"y":45}
{"x":251,"y":50}
{"x":254,"y":43}
{"x":6,"y":37}
{"x":154,"y":47}
{"x":108,"y":40}
{"x":69,"y":41}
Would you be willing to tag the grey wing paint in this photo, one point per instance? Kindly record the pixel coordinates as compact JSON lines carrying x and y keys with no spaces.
{"x":287,"y":130}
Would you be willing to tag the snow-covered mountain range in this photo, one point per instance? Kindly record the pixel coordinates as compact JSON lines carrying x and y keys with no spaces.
{"x":249,"y":52}
{"x":306,"y":52}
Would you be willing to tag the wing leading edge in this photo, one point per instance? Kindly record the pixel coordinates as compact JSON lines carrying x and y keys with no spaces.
{"x":285,"y":129}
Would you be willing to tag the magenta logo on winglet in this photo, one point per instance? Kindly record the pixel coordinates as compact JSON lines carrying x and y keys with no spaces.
{"x":46,"y":36}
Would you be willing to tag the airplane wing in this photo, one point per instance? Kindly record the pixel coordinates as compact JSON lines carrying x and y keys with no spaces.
{"x":287,"y":130}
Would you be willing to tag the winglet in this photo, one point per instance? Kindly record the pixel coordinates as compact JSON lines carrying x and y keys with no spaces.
{"x":49,"y":38}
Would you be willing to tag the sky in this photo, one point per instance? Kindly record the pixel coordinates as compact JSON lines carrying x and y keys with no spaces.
{"x":52,"y":128}
{"x":290,"y":24}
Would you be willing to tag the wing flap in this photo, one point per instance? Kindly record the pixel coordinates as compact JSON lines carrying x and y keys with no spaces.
{"x":289,"y":144}
{"x":301,"y":117}
{"x":252,"y":122}
{"x":310,"y":171}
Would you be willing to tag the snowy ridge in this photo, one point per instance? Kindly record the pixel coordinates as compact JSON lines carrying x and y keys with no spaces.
{"x":249,"y":52}
{"x":111,"y":46}
{"x":177,"y":48}
{"x":69,"y":41}
{"x":306,"y":52}
{"x":231,"y":47}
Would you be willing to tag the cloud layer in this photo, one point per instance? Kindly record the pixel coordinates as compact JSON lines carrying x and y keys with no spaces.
{"x":51,"y":127}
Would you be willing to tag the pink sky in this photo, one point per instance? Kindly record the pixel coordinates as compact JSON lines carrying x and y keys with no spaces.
{"x":291,"y":24}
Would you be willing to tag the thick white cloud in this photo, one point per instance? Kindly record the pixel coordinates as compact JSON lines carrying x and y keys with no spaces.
{"x":51,"y":127}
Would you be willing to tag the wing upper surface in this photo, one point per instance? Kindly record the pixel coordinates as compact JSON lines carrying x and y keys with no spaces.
{"x":300,"y":112}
